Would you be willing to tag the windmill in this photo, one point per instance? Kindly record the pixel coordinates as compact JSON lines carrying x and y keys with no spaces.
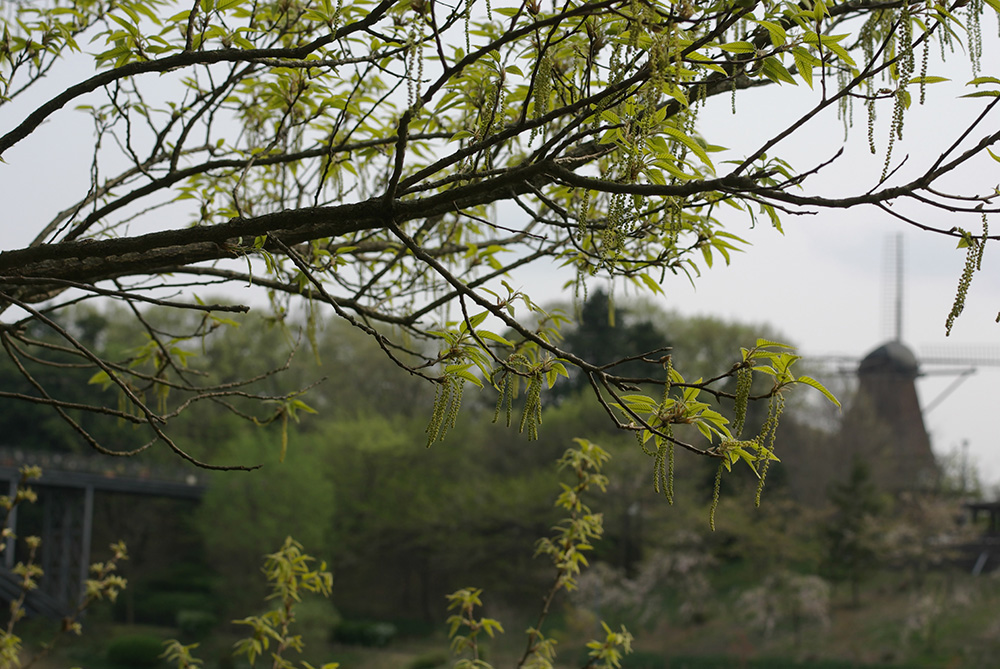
{"x":883,"y":425}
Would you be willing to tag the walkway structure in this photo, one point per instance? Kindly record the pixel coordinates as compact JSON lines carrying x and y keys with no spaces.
{"x":66,"y":492}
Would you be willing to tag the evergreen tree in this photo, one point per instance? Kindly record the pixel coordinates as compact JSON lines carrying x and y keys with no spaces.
{"x":851,"y":533}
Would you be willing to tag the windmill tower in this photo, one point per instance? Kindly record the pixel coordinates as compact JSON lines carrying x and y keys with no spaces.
{"x":884,"y":426}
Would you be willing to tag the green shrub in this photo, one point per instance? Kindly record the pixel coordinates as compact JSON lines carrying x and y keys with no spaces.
{"x":162,"y":608}
{"x":411,"y":627}
{"x":429,"y":660}
{"x":135,"y":650}
{"x":641,"y":659}
{"x":363,"y":633}
{"x":314,"y":618}
{"x":196,"y":624}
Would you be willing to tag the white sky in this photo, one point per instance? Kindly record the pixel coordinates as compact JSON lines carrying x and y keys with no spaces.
{"x":821,"y":283}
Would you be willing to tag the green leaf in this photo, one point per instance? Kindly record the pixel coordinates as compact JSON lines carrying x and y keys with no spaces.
{"x":706,"y":252}
{"x":776,"y":72}
{"x":777,"y":33}
{"x":689,"y":142}
{"x":468,"y":376}
{"x":983,"y":80}
{"x":651,"y":283}
{"x":804,"y":62}
{"x":927,"y":80}
{"x":100,"y":379}
{"x":492,"y":336}
{"x":809,"y":381}
{"x":477,"y":320}
{"x":767,"y":343}
{"x":299,"y":405}
{"x":739,"y":47}
{"x":633,"y":399}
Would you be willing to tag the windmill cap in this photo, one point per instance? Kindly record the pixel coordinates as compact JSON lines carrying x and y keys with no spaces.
{"x":890,"y":358}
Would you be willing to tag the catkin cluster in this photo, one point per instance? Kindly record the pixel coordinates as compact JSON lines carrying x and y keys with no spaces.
{"x":507,"y":385}
{"x":541,"y":92}
{"x":973,"y":17}
{"x":492,"y":109}
{"x":447,"y":402}
{"x":663,"y":454}
{"x":744,"y":379}
{"x":776,"y":406}
{"x":973,"y":262}
{"x":716,"y":490}
{"x":415,"y":61}
{"x":903,"y":49}
{"x":531,"y":415}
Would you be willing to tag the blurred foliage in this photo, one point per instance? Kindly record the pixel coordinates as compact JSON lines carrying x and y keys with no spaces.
{"x":241,"y":513}
{"x":852,"y":533}
{"x":135,"y":651}
{"x":401,"y":525}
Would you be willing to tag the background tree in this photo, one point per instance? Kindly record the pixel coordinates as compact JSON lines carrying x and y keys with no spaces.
{"x":606,"y":334}
{"x":240,"y":514}
{"x":853,"y":534}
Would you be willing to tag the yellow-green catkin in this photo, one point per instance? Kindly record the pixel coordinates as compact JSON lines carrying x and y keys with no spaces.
{"x":613,"y":237}
{"x":870,"y":106}
{"x":663,"y":454}
{"x":904,"y":72}
{"x":502,"y":397}
{"x":716,"y":490}
{"x":973,"y":261}
{"x":442,"y":399}
{"x":584,"y":213}
{"x":491,"y":110}
{"x":973,"y":16}
{"x":668,"y":492}
{"x":531,"y":415}
{"x":542,"y":90}
{"x":744,"y":379}
{"x":668,"y":429}
{"x":982,"y":243}
{"x":468,"y":15}
{"x":776,"y":406}
{"x":669,"y":381}
{"x":508,"y":386}
{"x":414,"y":61}
{"x":923,"y":71}
{"x":640,"y":436}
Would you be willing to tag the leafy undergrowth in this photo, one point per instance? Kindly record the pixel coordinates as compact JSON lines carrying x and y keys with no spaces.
{"x":949,"y":620}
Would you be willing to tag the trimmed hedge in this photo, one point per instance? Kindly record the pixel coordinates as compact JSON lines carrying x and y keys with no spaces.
{"x":363,"y":633}
{"x":135,"y":650}
{"x":196,"y":624}
{"x":430,"y":660}
{"x":162,"y":608}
